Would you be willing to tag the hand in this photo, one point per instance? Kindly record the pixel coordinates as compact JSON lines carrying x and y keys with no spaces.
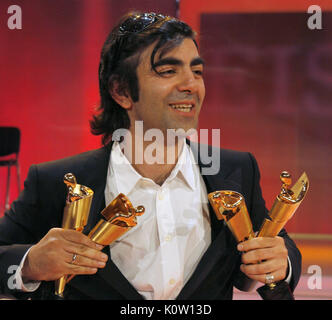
{"x":52,"y":256}
{"x":262,"y":256}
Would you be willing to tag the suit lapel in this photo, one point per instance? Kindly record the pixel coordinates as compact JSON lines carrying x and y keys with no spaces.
{"x":114,"y":278}
{"x":97,"y":164}
{"x":226,"y":179}
{"x":96,"y":170}
{"x":108,"y":283}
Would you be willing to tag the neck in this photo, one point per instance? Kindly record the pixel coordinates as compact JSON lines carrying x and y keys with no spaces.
{"x":153,"y":159}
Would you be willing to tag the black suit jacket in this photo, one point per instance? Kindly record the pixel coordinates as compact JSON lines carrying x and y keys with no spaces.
{"x":40,"y":207}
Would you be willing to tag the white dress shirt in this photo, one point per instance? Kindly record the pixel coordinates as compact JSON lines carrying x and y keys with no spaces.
{"x":159,"y":255}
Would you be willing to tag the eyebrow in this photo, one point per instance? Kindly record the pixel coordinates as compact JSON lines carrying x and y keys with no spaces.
{"x":177,"y":62}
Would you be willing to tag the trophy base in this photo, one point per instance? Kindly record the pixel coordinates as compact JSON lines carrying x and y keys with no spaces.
{"x":58,"y":297}
{"x":281,"y":291}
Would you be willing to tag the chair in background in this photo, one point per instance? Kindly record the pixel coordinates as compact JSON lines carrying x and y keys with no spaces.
{"x":10,"y":138}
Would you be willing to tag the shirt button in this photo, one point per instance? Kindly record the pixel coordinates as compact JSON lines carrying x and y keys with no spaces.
{"x":160,"y":196}
{"x":168,"y":237}
{"x":171,"y":281}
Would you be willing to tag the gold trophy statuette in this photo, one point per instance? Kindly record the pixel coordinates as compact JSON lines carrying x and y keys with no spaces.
{"x":75,"y":215}
{"x":120,"y":216}
{"x":285,"y":204}
{"x":231,"y":207}
{"x":283,"y":208}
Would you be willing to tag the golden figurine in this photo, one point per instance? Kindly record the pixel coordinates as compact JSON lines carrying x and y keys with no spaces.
{"x":285,"y":204}
{"x":231,"y":206}
{"x":120,"y":216}
{"x":75,"y":215}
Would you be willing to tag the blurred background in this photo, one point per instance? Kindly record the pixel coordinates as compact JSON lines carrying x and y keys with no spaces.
{"x":268,"y":83}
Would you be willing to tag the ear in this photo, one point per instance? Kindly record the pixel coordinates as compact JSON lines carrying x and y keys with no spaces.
{"x":120,"y":95}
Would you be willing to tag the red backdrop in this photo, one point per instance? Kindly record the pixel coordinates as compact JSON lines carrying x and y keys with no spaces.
{"x":268,"y":80}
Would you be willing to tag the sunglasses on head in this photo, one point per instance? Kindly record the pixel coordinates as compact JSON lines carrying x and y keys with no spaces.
{"x":140,"y":22}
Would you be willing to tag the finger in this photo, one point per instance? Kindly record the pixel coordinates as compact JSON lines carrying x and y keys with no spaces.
{"x":253,"y":256}
{"x":83,"y":261}
{"x":74,"y":269}
{"x":84,"y":251}
{"x":78,"y":237}
{"x":80,"y":244}
{"x":260,"y":268}
{"x":277,"y":276}
{"x":260,"y":242}
{"x":70,"y":266}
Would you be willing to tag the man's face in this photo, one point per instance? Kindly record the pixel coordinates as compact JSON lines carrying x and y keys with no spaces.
{"x":172,"y":97}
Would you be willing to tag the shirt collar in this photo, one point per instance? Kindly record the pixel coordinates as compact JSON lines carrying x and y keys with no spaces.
{"x":127,"y":177}
{"x":184,"y":167}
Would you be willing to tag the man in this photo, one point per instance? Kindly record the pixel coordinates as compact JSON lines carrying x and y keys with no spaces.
{"x":150,"y":79}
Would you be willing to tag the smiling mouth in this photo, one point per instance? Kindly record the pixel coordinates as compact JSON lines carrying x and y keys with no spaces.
{"x":182,"y":107}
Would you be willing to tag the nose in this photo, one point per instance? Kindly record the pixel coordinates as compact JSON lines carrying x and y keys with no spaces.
{"x":188,"y":82}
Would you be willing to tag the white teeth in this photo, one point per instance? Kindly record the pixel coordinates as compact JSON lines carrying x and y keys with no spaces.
{"x":182,"y":107}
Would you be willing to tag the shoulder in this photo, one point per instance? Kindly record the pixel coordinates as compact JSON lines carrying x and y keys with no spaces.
{"x":235,"y":156}
{"x":67,"y":161}
{"x":80,"y":164}
{"x":234,"y":159}
{"x":227,"y":159}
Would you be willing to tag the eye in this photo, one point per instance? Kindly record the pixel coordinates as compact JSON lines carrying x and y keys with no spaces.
{"x":166,"y":72}
{"x":198,"y":72}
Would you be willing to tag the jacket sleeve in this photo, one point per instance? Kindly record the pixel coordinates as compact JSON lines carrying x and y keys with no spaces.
{"x":17,"y":232}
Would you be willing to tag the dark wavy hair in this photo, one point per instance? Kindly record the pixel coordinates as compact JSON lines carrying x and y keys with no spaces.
{"x":119,"y":60}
